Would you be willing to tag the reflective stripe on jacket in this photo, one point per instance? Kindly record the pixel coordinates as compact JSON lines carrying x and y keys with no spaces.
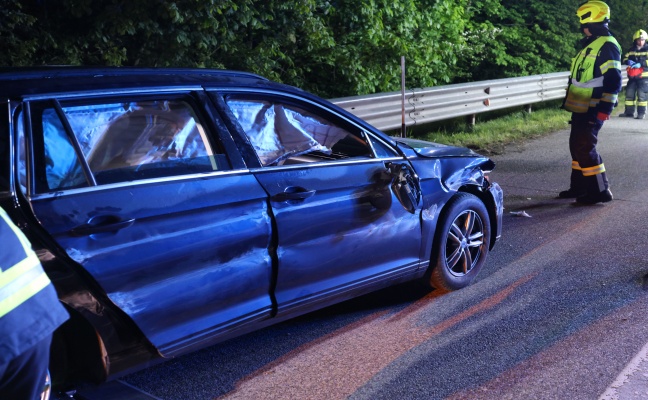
{"x":595,"y":78}
{"x":638,"y":56}
{"x":21,"y":275}
{"x":29,"y":307}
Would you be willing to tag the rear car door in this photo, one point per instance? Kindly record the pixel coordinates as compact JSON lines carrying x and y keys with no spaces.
{"x":340,"y":227}
{"x":154,"y":202}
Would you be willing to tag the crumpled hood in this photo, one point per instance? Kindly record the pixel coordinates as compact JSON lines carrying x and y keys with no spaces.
{"x":430,"y":149}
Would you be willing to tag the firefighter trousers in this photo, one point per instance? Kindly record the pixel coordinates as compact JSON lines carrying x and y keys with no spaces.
{"x":588,"y":172}
{"x":24,"y":376}
{"x":636,"y":95}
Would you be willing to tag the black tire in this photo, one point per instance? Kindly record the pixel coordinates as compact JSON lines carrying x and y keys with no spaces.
{"x":461,"y":243}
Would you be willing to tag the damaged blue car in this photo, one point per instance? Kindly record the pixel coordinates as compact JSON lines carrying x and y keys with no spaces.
{"x":176,"y":208}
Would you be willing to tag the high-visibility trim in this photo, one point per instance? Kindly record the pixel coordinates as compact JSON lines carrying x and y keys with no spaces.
{"x":576,"y":106}
{"x":610,"y":64}
{"x":642,"y":103}
{"x":23,"y":267}
{"x":582,"y":81}
{"x":629,"y":102}
{"x":635,"y":53}
{"x":591,"y":171}
{"x":22,"y":280}
{"x":10,"y":303}
{"x":606,"y":97}
{"x":21,"y":237}
{"x":592,"y":83}
{"x":575,"y":165}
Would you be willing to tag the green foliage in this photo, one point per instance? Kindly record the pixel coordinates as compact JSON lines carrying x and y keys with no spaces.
{"x":372,"y":35}
{"x":491,"y":136}
{"x":627,"y":17}
{"x":16,"y":40}
{"x":334,"y":48}
{"x":519,"y":38}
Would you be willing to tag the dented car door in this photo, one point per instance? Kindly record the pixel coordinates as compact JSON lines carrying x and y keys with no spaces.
{"x":140,"y":192}
{"x":331,"y":190}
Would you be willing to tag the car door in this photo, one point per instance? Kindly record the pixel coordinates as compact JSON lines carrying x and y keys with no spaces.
{"x":141,"y":193}
{"x":340,"y":227}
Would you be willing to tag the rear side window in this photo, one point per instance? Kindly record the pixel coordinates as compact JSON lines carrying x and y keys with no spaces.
{"x":88,"y":144}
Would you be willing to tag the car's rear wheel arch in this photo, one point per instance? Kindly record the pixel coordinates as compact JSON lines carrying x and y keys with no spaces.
{"x":77,"y":353}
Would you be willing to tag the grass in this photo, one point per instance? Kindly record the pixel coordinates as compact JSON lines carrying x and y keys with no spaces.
{"x":490,"y":136}
{"x":493,"y":131}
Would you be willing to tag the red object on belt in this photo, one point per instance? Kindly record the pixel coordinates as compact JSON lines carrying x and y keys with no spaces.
{"x":634,"y":72}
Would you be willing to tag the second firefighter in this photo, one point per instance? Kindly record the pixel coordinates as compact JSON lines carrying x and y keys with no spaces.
{"x":637,"y":88}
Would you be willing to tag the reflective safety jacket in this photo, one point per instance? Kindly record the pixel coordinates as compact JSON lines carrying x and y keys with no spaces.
{"x":638,"y":55}
{"x":595,"y":79}
{"x":29,"y":307}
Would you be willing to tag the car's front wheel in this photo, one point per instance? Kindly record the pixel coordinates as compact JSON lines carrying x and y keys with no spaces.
{"x":461,"y":243}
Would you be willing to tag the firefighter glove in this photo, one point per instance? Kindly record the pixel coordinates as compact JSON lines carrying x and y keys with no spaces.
{"x":602,"y":116}
{"x":629,"y":62}
{"x":636,"y":65}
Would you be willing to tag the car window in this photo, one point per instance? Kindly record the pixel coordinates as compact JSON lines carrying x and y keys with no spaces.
{"x":62,"y":166}
{"x":283,"y":133}
{"x":381,"y":149}
{"x":121,"y":141}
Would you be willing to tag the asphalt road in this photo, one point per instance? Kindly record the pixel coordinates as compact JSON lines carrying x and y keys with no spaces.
{"x":558,"y":312}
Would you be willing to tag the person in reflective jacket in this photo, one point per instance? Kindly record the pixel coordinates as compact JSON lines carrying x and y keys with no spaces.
{"x":637,"y":88}
{"x":594,"y":85}
{"x":29,"y":313}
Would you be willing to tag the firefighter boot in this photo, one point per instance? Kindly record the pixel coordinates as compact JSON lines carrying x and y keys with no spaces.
{"x":576,"y":187}
{"x":629,"y":112}
{"x":597,"y":188}
{"x":593,"y":198}
{"x":641,"y":112}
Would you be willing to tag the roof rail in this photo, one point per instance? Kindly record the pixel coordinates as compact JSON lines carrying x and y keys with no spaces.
{"x":43,"y":72}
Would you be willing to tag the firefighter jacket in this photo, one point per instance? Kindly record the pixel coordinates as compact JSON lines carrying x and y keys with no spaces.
{"x":29,"y":308}
{"x":595,"y":77}
{"x":637,"y":55}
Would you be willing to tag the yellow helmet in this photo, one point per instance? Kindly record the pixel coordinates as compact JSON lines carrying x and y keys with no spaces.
{"x":640,"y":34}
{"x":592,"y":12}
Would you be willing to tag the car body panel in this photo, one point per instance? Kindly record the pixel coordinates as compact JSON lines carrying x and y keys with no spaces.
{"x":204,"y":238}
{"x":341,"y":236}
{"x":205,"y":241}
{"x":163,"y":265}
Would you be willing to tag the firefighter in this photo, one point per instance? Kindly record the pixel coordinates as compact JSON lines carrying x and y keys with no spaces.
{"x":29,"y":313}
{"x":637,"y":89}
{"x":594,"y":85}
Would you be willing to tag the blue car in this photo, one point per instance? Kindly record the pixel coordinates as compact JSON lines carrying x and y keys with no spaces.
{"x":176,"y":208}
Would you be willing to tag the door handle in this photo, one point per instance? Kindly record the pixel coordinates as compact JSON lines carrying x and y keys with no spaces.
{"x":293,"y":193}
{"x":102,"y":224}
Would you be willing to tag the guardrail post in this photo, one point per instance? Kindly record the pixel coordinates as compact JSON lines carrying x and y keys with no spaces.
{"x":470,"y":121}
{"x":527,"y":108}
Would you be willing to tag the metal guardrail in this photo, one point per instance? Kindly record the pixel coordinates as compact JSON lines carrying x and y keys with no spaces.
{"x":384,"y":110}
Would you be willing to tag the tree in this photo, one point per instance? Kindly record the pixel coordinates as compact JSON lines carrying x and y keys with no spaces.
{"x":519,"y":38}
{"x":331,"y":47}
{"x":627,"y":17}
{"x":372,"y":35}
{"x":16,"y":34}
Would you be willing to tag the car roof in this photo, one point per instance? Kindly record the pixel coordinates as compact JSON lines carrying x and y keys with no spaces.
{"x":20,"y":82}
{"x":16,"y":82}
